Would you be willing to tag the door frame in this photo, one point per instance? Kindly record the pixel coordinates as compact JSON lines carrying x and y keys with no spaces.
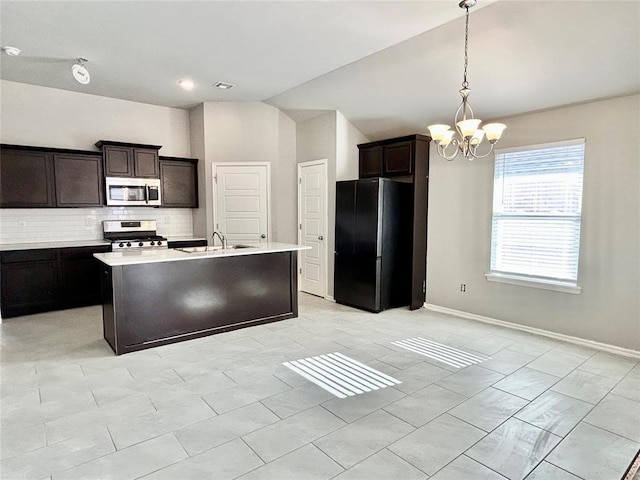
{"x":301,"y":165}
{"x":214,"y":182}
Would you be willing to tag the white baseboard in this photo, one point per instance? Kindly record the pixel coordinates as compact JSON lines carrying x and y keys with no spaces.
{"x":330,"y":298}
{"x":627,"y":352}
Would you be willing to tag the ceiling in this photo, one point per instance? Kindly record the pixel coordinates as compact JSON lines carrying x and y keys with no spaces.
{"x":390,"y":67}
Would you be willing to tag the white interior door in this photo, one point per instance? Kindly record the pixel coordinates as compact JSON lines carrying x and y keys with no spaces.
{"x":242,"y":202}
{"x":312,"y":216}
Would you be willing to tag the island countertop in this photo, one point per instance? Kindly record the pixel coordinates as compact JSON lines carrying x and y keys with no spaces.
{"x":114,"y":259}
{"x":156,"y":297}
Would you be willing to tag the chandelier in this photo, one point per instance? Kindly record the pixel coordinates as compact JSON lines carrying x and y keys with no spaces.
{"x":467,"y":137}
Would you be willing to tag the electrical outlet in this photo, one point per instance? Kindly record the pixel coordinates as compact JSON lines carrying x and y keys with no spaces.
{"x":463,"y":287}
{"x":89,"y":222}
{"x":22,"y":223}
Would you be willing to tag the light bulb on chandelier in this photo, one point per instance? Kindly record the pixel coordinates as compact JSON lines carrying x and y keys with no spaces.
{"x":467,"y":136}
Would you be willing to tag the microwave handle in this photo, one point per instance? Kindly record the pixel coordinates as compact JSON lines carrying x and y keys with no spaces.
{"x":146,"y":193}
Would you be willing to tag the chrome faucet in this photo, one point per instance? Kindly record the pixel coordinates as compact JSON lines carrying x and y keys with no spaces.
{"x":222,"y":238}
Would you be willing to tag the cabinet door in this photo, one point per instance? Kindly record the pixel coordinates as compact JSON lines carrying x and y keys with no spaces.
{"x":118,"y":161}
{"x":145,"y":163}
{"x":78,"y":180}
{"x":398,"y":159}
{"x":179,"y":182}
{"x":26,"y":179}
{"x":80,"y":276}
{"x":29,"y":282}
{"x":370,"y":162}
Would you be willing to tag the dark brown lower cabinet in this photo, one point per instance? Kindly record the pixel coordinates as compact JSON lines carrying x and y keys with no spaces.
{"x":29,"y":282}
{"x":80,"y":276}
{"x":42,"y":280}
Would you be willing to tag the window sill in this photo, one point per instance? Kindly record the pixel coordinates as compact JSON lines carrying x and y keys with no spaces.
{"x":534,"y":283}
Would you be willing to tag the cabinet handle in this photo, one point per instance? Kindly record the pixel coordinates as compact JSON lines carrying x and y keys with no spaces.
{"x":320,"y":237}
{"x":263,"y":236}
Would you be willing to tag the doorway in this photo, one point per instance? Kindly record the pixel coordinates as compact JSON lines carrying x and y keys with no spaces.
{"x":242,"y":202}
{"x":312,"y":226}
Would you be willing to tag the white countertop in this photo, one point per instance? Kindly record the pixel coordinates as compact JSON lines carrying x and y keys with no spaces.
{"x":34,"y":246}
{"x":114,"y":259}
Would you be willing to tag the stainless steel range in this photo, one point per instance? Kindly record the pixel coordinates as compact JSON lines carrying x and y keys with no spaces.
{"x":132,"y":234}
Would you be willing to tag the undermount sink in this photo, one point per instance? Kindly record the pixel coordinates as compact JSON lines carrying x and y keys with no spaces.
{"x":214,"y":248}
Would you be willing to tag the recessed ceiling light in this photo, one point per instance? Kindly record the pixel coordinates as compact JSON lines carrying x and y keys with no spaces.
{"x":186,"y":84}
{"x":224,"y":85}
{"x":11,"y":51}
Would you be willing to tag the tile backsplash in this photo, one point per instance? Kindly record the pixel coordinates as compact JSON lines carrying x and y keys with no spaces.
{"x":31,"y":225}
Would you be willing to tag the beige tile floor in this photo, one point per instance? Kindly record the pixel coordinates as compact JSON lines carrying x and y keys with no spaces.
{"x":224,"y":406}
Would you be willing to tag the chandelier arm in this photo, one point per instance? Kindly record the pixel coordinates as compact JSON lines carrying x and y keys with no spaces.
{"x":465,"y":108}
{"x":442,"y":151}
{"x":475,"y":149}
{"x":470,"y":110}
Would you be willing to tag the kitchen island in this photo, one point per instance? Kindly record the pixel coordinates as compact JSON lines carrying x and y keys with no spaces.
{"x":156,"y":297}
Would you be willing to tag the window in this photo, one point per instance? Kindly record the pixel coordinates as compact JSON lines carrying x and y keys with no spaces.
{"x":537,"y":206}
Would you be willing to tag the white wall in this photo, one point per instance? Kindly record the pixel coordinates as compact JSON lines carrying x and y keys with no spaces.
{"x":202,"y":222}
{"x":247,"y":132}
{"x":47,"y":117}
{"x":284,"y":185}
{"x":330,"y":136}
{"x":460,"y":202}
{"x":347,"y":139}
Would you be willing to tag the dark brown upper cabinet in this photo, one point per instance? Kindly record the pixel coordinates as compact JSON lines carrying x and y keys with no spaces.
{"x":129,"y":159}
{"x":392,"y":160}
{"x":398,"y":159}
{"x":406,"y":159}
{"x":179,"y":182}
{"x":370,"y":161}
{"x":33,"y":177}
{"x":78,"y":180}
{"x":26,"y":179}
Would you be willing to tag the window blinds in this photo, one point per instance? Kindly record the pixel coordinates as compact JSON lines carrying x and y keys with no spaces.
{"x":537,"y":206}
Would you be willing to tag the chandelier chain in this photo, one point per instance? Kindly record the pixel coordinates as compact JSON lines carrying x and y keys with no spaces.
{"x":465,"y":84}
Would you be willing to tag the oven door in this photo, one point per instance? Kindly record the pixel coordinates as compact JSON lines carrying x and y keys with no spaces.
{"x":133,"y":191}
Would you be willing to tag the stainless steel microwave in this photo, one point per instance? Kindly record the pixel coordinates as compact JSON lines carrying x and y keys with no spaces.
{"x":133,"y":191}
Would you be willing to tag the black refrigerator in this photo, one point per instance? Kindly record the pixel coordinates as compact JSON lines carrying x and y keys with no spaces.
{"x":373,"y":243}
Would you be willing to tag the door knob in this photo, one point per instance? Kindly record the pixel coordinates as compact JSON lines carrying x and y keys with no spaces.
{"x":320,"y":237}
{"x":263,"y":236}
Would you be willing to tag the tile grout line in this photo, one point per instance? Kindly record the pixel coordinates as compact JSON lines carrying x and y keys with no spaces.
{"x":574,"y":427}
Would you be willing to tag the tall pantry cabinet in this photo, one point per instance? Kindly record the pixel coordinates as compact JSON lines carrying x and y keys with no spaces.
{"x":405,"y":159}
